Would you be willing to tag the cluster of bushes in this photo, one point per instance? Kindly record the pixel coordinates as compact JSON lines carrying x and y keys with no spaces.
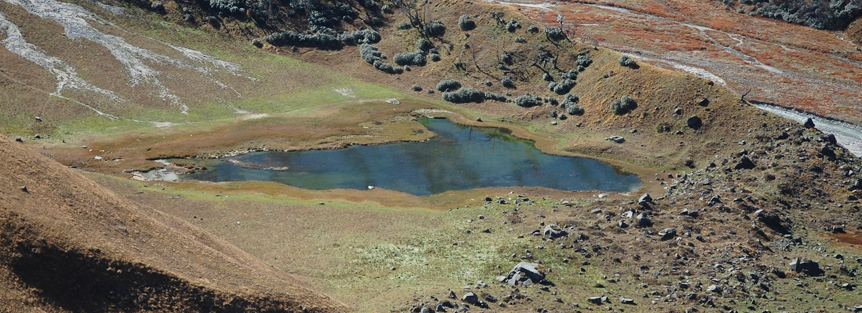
{"x":495,"y":97}
{"x":228,"y":6}
{"x":448,"y":85}
{"x":464,"y":95}
{"x":528,"y":100}
{"x":555,"y":33}
{"x":434,"y":29}
{"x":623,"y":105}
{"x":571,"y":74}
{"x":583,"y":61}
{"x":291,"y":38}
{"x":570,"y":103}
{"x":410,"y":58}
{"x":547,"y":77}
{"x":323,"y":40}
{"x":370,"y":54}
{"x":627,"y":62}
{"x":562,"y":87}
{"x":513,"y":25}
{"x":466,"y":23}
{"x":359,"y":37}
{"x":831,"y":15}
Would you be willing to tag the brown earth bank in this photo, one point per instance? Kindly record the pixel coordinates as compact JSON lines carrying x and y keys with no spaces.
{"x":69,"y":245}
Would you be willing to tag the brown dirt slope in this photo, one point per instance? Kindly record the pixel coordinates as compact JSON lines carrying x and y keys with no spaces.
{"x":854,"y":31}
{"x":69,"y":245}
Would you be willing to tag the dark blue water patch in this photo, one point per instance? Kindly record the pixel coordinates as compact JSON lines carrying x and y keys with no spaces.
{"x":458,"y":158}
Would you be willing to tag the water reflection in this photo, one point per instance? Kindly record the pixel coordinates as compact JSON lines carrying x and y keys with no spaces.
{"x":459,"y":157}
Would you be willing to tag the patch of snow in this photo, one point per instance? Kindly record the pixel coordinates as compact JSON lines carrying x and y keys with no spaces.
{"x":76,"y":23}
{"x":66,"y":76}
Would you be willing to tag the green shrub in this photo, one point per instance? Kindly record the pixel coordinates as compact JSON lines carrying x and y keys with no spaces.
{"x":627,"y":62}
{"x":359,"y":37}
{"x":290,"y":38}
{"x":513,"y":25}
{"x":495,"y":97}
{"x":434,"y":29}
{"x":533,"y":29}
{"x":624,"y":105}
{"x":562,"y":87}
{"x":528,"y":100}
{"x":448,"y":85}
{"x":571,"y":74}
{"x":554,"y":33}
{"x":570,"y":103}
{"x":410,"y":58}
{"x":424,"y":45}
{"x":464,"y":95}
{"x":466,"y":23}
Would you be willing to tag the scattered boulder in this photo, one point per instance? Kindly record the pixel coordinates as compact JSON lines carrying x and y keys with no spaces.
{"x":595,"y":300}
{"x":714,"y":200}
{"x":744,"y":163}
{"x":645,"y":199}
{"x":774,"y":221}
{"x":694,"y":122}
{"x":643,"y":220}
{"x":809,"y":123}
{"x":692,"y":213}
{"x":470,"y":298}
{"x":704,"y":102}
{"x":808,"y":267}
{"x":524,"y":274}
{"x":627,"y":301}
{"x":667,"y":233}
{"x":830,"y":138}
{"x":713,"y":288}
{"x":617,"y":139}
{"x":553,"y":232}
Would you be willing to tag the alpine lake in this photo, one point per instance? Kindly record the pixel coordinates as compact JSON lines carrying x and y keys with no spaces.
{"x":458,"y":158}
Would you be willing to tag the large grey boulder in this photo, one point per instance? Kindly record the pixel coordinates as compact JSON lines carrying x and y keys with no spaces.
{"x":523,"y":274}
{"x":470,"y":298}
{"x":553,"y":232}
{"x":808,"y":267}
{"x":645,"y":199}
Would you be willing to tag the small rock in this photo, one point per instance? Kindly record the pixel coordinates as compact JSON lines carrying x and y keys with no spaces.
{"x":470,"y":298}
{"x":809,"y":123}
{"x":713,"y":288}
{"x":627,"y":301}
{"x":667,"y":233}
{"x":595,"y":300}
{"x":744,"y":163}
{"x":617,"y":139}
{"x":19,"y":139}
